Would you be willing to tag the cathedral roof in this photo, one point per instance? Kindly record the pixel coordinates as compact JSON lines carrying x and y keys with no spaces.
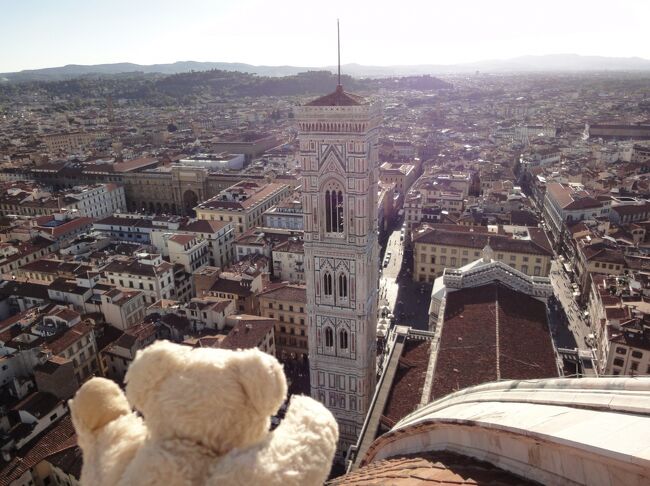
{"x":442,"y":468}
{"x":339,"y":98}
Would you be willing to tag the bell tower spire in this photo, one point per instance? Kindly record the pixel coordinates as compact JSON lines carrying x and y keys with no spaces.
{"x":338,"y":39}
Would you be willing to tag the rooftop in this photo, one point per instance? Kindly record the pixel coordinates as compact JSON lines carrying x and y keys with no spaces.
{"x":490,"y":333}
{"x":339,"y":98}
{"x":552,"y":431}
{"x":248,"y":332}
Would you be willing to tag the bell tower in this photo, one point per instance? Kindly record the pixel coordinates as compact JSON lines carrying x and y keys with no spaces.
{"x":338,"y":135}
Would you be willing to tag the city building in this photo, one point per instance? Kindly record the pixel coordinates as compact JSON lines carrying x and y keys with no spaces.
{"x":243,"y":204}
{"x":188,"y":250}
{"x":287,"y":214}
{"x":286,"y":304}
{"x":483,"y":271}
{"x":640,"y":153}
{"x":219,"y":236}
{"x":338,"y":135}
{"x":250,"y":331}
{"x":400,"y":174}
{"x":123,"y":308}
{"x":96,"y":201}
{"x":221,"y":161}
{"x":441,"y":246}
{"x":629,"y":348}
{"x":289,"y":260}
{"x":147,"y":272}
{"x":567,"y":204}
{"x":77,"y":344}
{"x":70,"y":142}
{"x":92,"y":201}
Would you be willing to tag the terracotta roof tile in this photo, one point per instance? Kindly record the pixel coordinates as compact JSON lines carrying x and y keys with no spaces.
{"x":339,"y":98}
{"x":47,"y":443}
{"x":468,"y":354}
{"x":441,"y":468}
{"x":248,"y":333}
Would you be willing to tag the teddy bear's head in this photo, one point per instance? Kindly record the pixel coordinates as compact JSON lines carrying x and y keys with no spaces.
{"x":218,"y":398}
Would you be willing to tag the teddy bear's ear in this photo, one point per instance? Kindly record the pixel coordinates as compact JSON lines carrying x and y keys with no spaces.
{"x":263,"y":380}
{"x":150,"y":366}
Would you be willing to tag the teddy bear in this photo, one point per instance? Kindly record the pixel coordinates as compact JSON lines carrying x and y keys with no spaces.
{"x":202,"y":417}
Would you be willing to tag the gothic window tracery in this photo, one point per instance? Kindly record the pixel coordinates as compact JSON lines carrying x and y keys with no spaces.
{"x":327,"y":283}
{"x":329,"y":337}
{"x":334,"y":211}
{"x":343,"y":339}
{"x":343,"y":286}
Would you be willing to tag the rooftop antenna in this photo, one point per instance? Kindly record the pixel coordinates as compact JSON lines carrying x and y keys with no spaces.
{"x":338,"y":38}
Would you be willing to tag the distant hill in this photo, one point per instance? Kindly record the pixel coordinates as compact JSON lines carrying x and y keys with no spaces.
{"x":198,"y":86}
{"x":77,"y":70}
{"x":554,"y":62}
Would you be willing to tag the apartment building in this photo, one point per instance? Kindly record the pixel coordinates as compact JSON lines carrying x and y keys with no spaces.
{"x":243,"y":204}
{"x":70,"y":142}
{"x":123,"y":308}
{"x":629,"y":349}
{"x":443,"y":191}
{"x":188,"y":250}
{"x":287,"y":214}
{"x":208,"y":312}
{"x":441,"y":246}
{"x":219,"y":236}
{"x":147,"y":272}
{"x":640,"y":153}
{"x":14,"y":256}
{"x":286,"y":304}
{"x":567,"y":204}
{"x":76,"y":344}
{"x":289,"y":261}
{"x":95,"y":201}
{"x":401,"y":174}
{"x":250,"y":331}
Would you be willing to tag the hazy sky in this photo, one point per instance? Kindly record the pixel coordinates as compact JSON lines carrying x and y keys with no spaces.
{"x":49,"y":33}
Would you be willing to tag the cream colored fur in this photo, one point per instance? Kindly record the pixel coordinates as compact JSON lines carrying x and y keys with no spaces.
{"x":205,"y":420}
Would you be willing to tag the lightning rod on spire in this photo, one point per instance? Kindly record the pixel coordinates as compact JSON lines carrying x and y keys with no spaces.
{"x":338,"y":38}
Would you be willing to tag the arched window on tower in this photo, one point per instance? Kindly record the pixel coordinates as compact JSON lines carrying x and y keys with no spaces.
{"x":328,"y":212}
{"x":329,"y":337}
{"x":343,"y":339}
{"x":333,"y":211}
{"x":327,"y":283}
{"x":339,"y":212}
{"x":343,"y":285}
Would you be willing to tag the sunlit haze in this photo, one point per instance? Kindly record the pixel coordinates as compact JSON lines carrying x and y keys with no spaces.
{"x":292,"y":32}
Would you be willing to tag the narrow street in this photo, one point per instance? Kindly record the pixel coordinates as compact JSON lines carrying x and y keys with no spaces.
{"x":388,"y":286}
{"x":571,"y":317}
{"x":408,"y":300}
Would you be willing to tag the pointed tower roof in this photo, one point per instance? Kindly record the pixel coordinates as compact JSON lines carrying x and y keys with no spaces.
{"x":339,"y":98}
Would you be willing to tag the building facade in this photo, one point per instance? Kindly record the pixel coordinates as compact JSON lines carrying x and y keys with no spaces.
{"x":146,"y":272}
{"x":338,"y":136}
{"x":243,"y":204}
{"x":437,"y":247}
{"x":565,"y":205}
{"x":286,"y":304}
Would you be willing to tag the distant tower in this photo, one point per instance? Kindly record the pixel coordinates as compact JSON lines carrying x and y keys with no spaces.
{"x":338,"y":136}
{"x":109,"y":109}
